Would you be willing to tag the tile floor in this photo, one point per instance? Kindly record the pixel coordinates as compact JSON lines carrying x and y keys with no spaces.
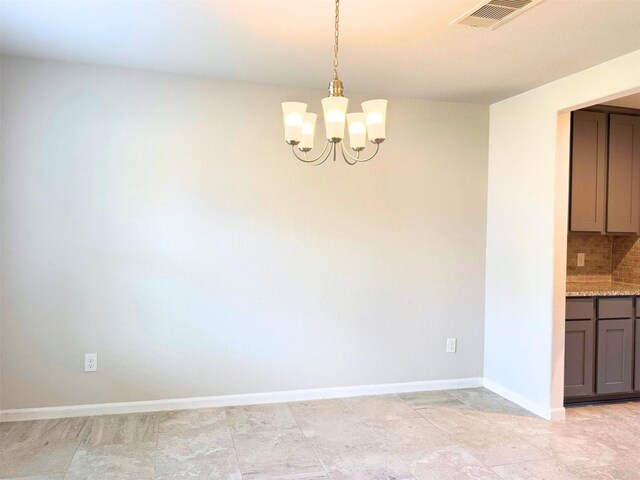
{"x":459,"y":434}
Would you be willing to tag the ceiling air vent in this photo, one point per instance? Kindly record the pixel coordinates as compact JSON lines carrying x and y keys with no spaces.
{"x":493,"y":13}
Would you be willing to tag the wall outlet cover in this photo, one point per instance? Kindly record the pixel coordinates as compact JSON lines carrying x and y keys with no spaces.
{"x":581,"y":259}
{"x":90,"y":362}
{"x":451,"y":345}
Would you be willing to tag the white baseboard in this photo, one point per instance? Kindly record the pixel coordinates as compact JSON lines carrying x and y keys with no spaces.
{"x":558,"y":413}
{"x":540,"y":410}
{"x":20,"y":414}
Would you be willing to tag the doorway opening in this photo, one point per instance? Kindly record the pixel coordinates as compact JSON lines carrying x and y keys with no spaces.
{"x":596,"y":348}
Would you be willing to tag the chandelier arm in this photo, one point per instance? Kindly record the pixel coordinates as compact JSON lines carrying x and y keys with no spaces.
{"x":326,"y":153}
{"x":357,"y":159}
{"x":332,"y":149}
{"x":347,"y":156}
{"x":308,"y":160}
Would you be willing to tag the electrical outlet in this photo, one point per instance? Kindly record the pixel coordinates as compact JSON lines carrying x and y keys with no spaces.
{"x":90,"y":362}
{"x":451,"y":345}
{"x":581,"y":259}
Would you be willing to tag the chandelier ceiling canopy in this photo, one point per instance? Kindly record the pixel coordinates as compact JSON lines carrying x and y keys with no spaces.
{"x":300,"y":125}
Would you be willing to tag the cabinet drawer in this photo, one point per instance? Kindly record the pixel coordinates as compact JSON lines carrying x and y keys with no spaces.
{"x":579,"y":309}
{"x":638,"y":307}
{"x":615,"y":308}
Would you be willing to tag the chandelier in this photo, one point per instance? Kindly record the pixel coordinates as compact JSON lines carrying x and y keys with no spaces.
{"x":300,"y":125}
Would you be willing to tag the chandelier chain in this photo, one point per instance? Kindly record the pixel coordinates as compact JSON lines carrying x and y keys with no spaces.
{"x":299,"y":125}
{"x":336,"y":45}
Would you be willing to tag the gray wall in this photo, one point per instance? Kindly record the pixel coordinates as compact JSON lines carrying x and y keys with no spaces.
{"x":161,"y":221}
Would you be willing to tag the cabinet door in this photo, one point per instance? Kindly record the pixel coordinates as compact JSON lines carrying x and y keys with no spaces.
{"x":637,"y":354}
{"x":588,"y":171}
{"x":578,"y":358}
{"x":615,"y":356}
{"x":623,"y":198}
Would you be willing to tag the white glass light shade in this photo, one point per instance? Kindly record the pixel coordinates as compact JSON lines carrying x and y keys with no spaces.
{"x":308,"y":130}
{"x":357,"y":130}
{"x":376,"y":115}
{"x":293,"y":116}
{"x":335,"y":112}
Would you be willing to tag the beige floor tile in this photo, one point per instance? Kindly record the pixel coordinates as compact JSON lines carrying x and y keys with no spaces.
{"x":631,"y":415}
{"x":353,"y":451}
{"x":121,"y":429}
{"x":455,"y":420}
{"x":316,"y":414}
{"x":40,"y":432}
{"x":561,"y":427}
{"x":39,"y":477}
{"x":274,"y":455}
{"x":521,"y":423}
{"x":538,"y":470}
{"x":408,"y":435}
{"x":484,"y":400}
{"x":332,"y":410}
{"x":579,"y":451}
{"x":590,"y":413}
{"x":337,"y":437}
{"x":294,"y":476}
{"x":23,"y":460}
{"x":435,"y":398}
{"x":194,"y":471}
{"x":260,"y":418}
{"x":499,"y":448}
{"x":434,"y":435}
{"x":617,"y":434}
{"x":633,"y":406}
{"x":205,"y":453}
{"x":380,"y":407}
{"x":122,"y":461}
{"x":305,"y":477}
{"x":623,"y":471}
{"x":329,"y":452}
{"x":447,"y":463}
{"x":183,"y":420}
{"x":364,"y":462}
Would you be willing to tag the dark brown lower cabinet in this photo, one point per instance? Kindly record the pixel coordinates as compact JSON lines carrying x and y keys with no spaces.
{"x":579,"y":357}
{"x":602,"y":348}
{"x":637,"y":383}
{"x":615,"y":356}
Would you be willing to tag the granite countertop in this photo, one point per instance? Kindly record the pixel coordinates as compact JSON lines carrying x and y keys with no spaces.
{"x":601,"y":289}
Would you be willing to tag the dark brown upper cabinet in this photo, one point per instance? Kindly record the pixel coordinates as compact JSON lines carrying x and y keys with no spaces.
{"x":605,"y":172}
{"x":588,"y":171}
{"x":623,"y":197}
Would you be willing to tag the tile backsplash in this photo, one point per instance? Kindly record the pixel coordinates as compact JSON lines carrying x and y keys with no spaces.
{"x":607,"y":257}
{"x":625,"y":259}
{"x":597,"y":257}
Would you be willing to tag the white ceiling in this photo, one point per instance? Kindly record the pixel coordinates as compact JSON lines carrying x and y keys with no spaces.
{"x":388,"y":47}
